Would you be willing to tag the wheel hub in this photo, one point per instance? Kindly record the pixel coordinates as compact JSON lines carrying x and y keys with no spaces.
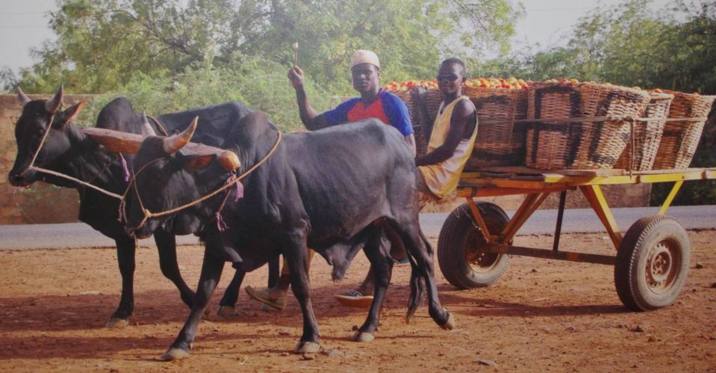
{"x":477,"y":254}
{"x":660,"y":267}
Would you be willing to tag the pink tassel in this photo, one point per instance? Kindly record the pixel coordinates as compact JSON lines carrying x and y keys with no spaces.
{"x":239,"y":191}
{"x":125,"y":168}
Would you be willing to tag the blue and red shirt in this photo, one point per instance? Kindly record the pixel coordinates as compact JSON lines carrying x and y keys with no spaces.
{"x":388,"y":108}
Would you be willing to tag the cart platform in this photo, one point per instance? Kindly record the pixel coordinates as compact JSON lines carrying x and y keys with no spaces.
{"x":652,"y":257}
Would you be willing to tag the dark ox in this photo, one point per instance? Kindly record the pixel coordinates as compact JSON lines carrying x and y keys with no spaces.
{"x":333,"y":190}
{"x":69,"y":151}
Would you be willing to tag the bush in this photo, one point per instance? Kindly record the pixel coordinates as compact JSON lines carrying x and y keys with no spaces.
{"x":259,"y":84}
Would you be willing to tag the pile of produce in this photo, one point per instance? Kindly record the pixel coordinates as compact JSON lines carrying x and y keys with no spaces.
{"x":509,"y":83}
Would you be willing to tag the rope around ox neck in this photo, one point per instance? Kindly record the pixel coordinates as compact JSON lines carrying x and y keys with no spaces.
{"x":148,"y":214}
{"x":59,"y":174}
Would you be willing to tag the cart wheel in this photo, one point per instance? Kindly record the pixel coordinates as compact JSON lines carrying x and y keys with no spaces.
{"x":652,"y":263}
{"x":462,"y":255}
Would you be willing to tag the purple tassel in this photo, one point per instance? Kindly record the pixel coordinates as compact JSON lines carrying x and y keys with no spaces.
{"x":220,"y":223}
{"x":239,"y":191}
{"x":125,"y":168}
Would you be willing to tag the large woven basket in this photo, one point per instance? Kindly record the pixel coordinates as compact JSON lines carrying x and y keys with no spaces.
{"x":580,"y":126}
{"x":687,"y":116}
{"x":427,"y":104}
{"x":640,"y":152}
{"x":499,"y":140}
{"x":408,"y":96}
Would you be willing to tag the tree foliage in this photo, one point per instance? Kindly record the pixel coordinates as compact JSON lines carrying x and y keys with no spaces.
{"x":102,"y":43}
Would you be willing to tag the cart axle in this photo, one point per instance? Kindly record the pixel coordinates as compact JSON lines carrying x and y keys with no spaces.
{"x":551,"y":254}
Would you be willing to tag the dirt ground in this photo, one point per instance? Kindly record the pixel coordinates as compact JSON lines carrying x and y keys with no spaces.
{"x":542,"y":315}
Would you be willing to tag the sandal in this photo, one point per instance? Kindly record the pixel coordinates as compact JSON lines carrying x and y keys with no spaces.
{"x":267,"y":297}
{"x":354,"y":298}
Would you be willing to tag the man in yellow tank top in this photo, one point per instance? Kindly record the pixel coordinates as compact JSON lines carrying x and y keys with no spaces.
{"x":452,"y":137}
{"x":451,"y":141}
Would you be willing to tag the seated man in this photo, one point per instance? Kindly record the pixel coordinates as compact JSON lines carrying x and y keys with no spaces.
{"x":372,"y":103}
{"x":451,"y":141}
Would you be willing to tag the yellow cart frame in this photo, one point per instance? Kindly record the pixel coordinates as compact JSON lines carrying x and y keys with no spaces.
{"x":537,"y":185}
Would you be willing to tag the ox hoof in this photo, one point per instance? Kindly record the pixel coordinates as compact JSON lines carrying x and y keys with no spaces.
{"x":450,"y":323}
{"x":363,"y":337}
{"x":227,"y":312}
{"x":174,"y":354}
{"x":308,"y":347}
{"x":117,"y":323}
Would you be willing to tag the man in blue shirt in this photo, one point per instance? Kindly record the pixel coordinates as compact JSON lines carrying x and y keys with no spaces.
{"x":373,"y":102}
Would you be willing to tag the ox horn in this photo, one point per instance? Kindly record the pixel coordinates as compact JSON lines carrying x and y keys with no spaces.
{"x":22,"y":97}
{"x":147,"y":129}
{"x":229,"y":160}
{"x":173,"y":143}
{"x":52,"y":105}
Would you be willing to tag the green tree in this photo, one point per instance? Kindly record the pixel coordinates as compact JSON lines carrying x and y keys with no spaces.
{"x":101,"y":44}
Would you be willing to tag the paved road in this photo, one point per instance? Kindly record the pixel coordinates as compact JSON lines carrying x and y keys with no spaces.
{"x":57,"y":236}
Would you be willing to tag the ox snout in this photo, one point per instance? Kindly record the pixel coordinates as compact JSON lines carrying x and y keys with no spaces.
{"x":18,"y":179}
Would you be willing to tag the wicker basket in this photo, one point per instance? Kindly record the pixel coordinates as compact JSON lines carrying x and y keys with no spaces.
{"x":568,"y":133}
{"x":427,"y":103}
{"x":408,"y":97}
{"x":499,"y":141}
{"x":681,"y":137}
{"x":547,"y":144}
{"x":640,"y":152}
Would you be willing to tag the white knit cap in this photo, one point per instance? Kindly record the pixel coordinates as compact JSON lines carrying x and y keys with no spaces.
{"x":365,"y":56}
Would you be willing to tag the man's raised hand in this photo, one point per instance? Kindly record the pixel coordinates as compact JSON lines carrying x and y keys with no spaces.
{"x":295,"y":75}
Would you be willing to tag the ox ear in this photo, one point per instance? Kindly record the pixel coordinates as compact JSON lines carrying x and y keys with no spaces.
{"x":53,"y":104}
{"x":173,"y":143}
{"x":196,"y":162}
{"x":68,"y":115}
{"x":199,"y":159}
{"x":229,"y":160}
{"x":22,"y":97}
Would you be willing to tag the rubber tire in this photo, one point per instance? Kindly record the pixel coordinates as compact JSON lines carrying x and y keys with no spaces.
{"x":630,"y":275}
{"x":457,"y":233}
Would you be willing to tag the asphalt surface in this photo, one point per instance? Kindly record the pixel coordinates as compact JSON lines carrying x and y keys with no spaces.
{"x":76,"y":235}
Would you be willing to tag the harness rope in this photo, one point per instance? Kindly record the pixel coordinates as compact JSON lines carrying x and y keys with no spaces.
{"x":234,"y":179}
{"x":59,"y":174}
{"x":231,"y":181}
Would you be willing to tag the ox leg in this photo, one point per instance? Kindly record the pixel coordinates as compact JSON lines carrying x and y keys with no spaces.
{"x":231,"y":295}
{"x":422,"y":262}
{"x":273,"y":268}
{"x":210,"y":275}
{"x":166,"y":245}
{"x":296,"y":258}
{"x":382,"y":268}
{"x":125,"y":257}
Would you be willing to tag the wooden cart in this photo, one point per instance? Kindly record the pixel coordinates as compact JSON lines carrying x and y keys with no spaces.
{"x":652,"y":257}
